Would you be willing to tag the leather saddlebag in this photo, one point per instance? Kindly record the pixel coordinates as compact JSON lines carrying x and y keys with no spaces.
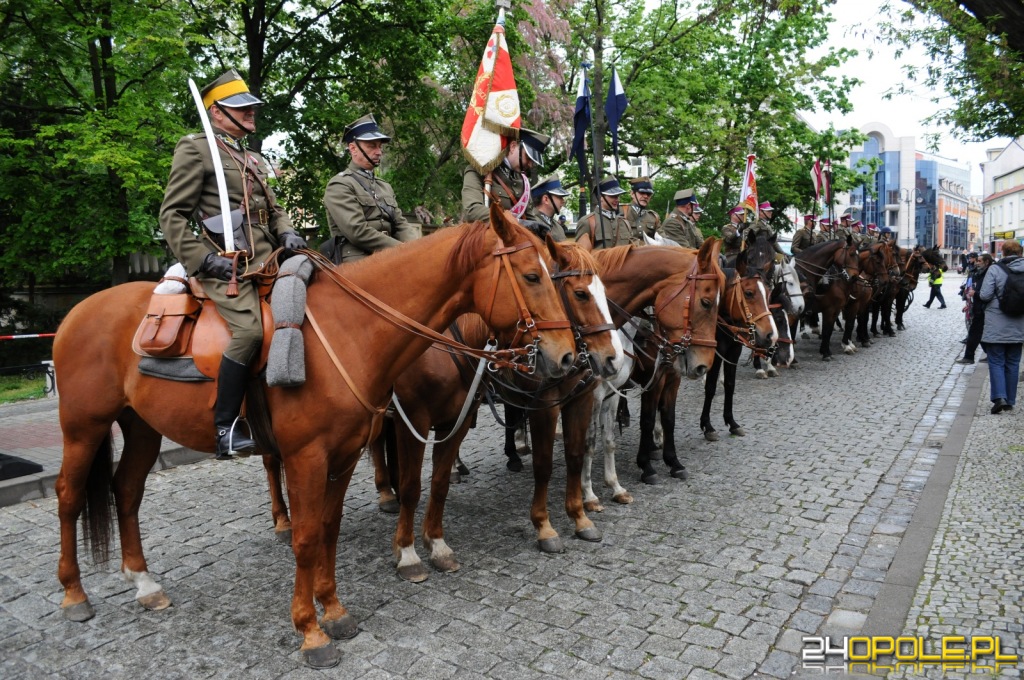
{"x":167,"y":329}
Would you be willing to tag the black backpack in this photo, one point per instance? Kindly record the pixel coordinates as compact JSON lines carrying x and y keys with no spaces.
{"x":1011,"y":298}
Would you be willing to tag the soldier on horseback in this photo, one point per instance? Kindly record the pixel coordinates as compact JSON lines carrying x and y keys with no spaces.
{"x":509,"y":182}
{"x":680,"y":225}
{"x":640,"y":216}
{"x":732,"y":233}
{"x":803,"y":238}
{"x":548,"y":200}
{"x":192,"y":197}
{"x":606,"y":227}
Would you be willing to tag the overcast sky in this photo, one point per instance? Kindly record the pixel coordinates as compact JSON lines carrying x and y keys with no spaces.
{"x":856,"y":27}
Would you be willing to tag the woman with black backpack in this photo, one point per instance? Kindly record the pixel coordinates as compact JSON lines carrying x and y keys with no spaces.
{"x":1003,"y":335}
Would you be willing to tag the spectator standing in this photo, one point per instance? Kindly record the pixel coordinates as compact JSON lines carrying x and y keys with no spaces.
{"x":977,"y":267}
{"x":1003,"y":335}
{"x":935,"y":283}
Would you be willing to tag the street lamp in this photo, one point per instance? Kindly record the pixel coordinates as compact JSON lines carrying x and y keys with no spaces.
{"x":905,"y":196}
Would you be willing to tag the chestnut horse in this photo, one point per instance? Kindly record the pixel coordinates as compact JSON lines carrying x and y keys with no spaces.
{"x":920,"y":260}
{"x":877,"y":269}
{"x":433,"y":390}
{"x":828,"y":269}
{"x":745,"y":302}
{"x":320,"y":428}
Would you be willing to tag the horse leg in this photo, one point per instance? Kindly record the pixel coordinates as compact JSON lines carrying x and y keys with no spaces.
{"x":827,"y":324}
{"x":611,"y":476}
{"x":849,"y":320}
{"x":278,"y":506}
{"x":307,"y":495}
{"x":794,"y":321}
{"x":667,"y":411}
{"x":759,"y":372}
{"x":386,"y":500}
{"x":410,"y":450}
{"x":648,"y":409}
{"x":732,"y":358}
{"x":542,"y":432}
{"x":515,"y":418}
{"x":141,"y":449}
{"x":710,"y":386}
{"x":900,"y":303}
{"x":442,"y":557}
{"x":336,"y":621}
{"x":575,"y":419}
{"x":83,"y":484}
{"x":602,"y":400}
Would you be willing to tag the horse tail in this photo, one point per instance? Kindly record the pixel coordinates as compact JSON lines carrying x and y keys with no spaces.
{"x":257,"y":414}
{"x":97,"y":518}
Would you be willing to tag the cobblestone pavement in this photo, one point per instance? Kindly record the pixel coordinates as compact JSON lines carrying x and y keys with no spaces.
{"x":790,"y":531}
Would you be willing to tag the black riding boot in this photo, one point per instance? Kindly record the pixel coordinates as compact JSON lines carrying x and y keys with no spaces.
{"x":230,"y":391}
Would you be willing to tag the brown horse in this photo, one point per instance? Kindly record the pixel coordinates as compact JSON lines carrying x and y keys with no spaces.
{"x":320,"y":428}
{"x":877,"y":268}
{"x":828,"y":270}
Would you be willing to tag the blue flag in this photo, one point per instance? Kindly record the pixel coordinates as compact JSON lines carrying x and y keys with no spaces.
{"x":581,"y":123}
{"x":614,"y":107}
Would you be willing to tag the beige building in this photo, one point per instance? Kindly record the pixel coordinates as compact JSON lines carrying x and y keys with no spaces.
{"x":1003,"y":201}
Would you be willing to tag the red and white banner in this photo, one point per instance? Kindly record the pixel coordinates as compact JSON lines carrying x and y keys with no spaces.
{"x":493,"y":115}
{"x":748,"y":194}
{"x":816,"y":181}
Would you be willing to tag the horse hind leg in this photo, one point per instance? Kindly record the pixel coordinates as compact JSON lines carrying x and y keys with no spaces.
{"x":141,"y":448}
{"x":383,"y":475}
{"x":278,"y":505}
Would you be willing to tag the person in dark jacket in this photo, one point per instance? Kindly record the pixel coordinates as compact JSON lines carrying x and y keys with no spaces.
{"x":1003,"y":335}
{"x":977,"y":267}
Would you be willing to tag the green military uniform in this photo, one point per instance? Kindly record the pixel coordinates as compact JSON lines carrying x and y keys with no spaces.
{"x":550,"y":187}
{"x":192,"y":196}
{"x":363,"y":211}
{"x":507,"y":185}
{"x":642,"y":221}
{"x":803,"y":238}
{"x":606,"y":228}
{"x":683,"y":230}
{"x":554,"y":227}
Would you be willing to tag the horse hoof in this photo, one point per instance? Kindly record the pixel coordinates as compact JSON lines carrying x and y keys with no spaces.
{"x":391,"y":506}
{"x":711,"y":435}
{"x":593,"y":506}
{"x":890,"y":334}
{"x":344,"y":628}
{"x":738,"y":431}
{"x":650,"y":478}
{"x":805,"y":335}
{"x":761,"y":375}
{"x":826,"y":358}
{"x":625,"y":498}
{"x":445,"y":565}
{"x":552,"y":545}
{"x":79,"y":613}
{"x":327,"y":656}
{"x":591,"y":534}
{"x":155,"y":602}
{"x":413,"y":573}
{"x":463,"y":469}
{"x":679,"y":473}
{"x":514,"y":464}
{"x":874,"y":333}
{"x":284,"y":536}
{"x":901,"y":327}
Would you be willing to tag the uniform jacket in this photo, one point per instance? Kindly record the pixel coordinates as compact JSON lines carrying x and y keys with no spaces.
{"x":353,"y":199}
{"x":606,"y":229}
{"x":192,"y":196}
{"x":473,"y":207}
{"x":642,"y":219}
{"x":555,"y":228}
{"x":683,"y":230}
{"x":1000,"y":328}
{"x":803,"y":238}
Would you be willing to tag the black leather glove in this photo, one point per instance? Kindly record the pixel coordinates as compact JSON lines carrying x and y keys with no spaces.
{"x":292,"y":241}
{"x":217,"y":266}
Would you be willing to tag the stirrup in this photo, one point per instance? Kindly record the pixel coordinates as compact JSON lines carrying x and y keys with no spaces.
{"x":230,"y":444}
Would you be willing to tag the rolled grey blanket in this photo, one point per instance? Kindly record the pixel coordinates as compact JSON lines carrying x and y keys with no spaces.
{"x":286,"y":361}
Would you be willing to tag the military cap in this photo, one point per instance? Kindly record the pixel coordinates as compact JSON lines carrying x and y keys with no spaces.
{"x":738,"y":210}
{"x":641,"y":185}
{"x":684,"y":197}
{"x":609,"y":186}
{"x":846,"y":216}
{"x":812,"y":218}
{"x":229,"y":90}
{"x":765,"y":205}
{"x":857,"y":225}
{"x":826,"y":222}
{"x":534,"y":144}
{"x":872,"y":226}
{"x":364,"y":129}
{"x":561,"y":218}
{"x":886,"y":230}
{"x":549,"y":185}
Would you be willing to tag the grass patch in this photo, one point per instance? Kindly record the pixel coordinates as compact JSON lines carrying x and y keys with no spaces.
{"x":20,"y":388}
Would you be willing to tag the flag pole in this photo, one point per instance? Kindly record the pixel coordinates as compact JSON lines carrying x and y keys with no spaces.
{"x":596,"y":179}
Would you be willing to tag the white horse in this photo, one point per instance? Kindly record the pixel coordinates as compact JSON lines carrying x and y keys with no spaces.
{"x":787,"y":292}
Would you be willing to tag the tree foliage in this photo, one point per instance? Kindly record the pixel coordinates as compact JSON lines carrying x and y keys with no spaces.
{"x":976,"y":51}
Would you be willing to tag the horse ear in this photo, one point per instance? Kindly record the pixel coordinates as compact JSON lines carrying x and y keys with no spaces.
{"x":501,"y":224}
{"x":558,"y":253}
{"x":741,"y":263}
{"x":708,"y":252}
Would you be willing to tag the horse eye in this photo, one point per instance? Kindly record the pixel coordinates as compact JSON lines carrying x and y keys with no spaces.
{"x":532,"y":278}
{"x":749,"y":294}
{"x":582,"y":295}
{"x":705,"y":303}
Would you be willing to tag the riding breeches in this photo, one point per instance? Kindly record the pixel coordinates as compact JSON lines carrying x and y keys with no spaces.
{"x":242,"y":314}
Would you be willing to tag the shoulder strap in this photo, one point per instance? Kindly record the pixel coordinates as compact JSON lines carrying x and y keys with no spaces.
{"x":384,"y":207}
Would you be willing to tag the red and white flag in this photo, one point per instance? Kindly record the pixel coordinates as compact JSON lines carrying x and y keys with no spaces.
{"x":493,"y":115}
{"x":748,"y":194}
{"x":816,"y":180}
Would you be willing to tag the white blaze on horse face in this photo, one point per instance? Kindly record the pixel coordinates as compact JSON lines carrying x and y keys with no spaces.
{"x":764,"y":296}
{"x":596,"y":289}
{"x":546,"y":271}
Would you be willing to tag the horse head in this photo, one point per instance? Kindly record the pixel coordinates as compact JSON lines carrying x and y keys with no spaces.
{"x":787,"y":289}
{"x":517,"y":296}
{"x":583,"y":297}
{"x":746,"y":304}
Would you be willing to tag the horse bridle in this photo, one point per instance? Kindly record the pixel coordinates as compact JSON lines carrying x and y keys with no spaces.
{"x":580,"y":331}
{"x":673,"y":348}
{"x":526,"y":323}
{"x":743,"y":335}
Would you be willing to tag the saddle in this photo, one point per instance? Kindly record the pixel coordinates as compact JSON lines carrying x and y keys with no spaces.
{"x":188,"y":325}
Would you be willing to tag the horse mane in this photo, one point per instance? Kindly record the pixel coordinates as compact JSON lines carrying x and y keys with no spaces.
{"x":611,"y":259}
{"x":580,"y":258}
{"x":462,"y":260}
